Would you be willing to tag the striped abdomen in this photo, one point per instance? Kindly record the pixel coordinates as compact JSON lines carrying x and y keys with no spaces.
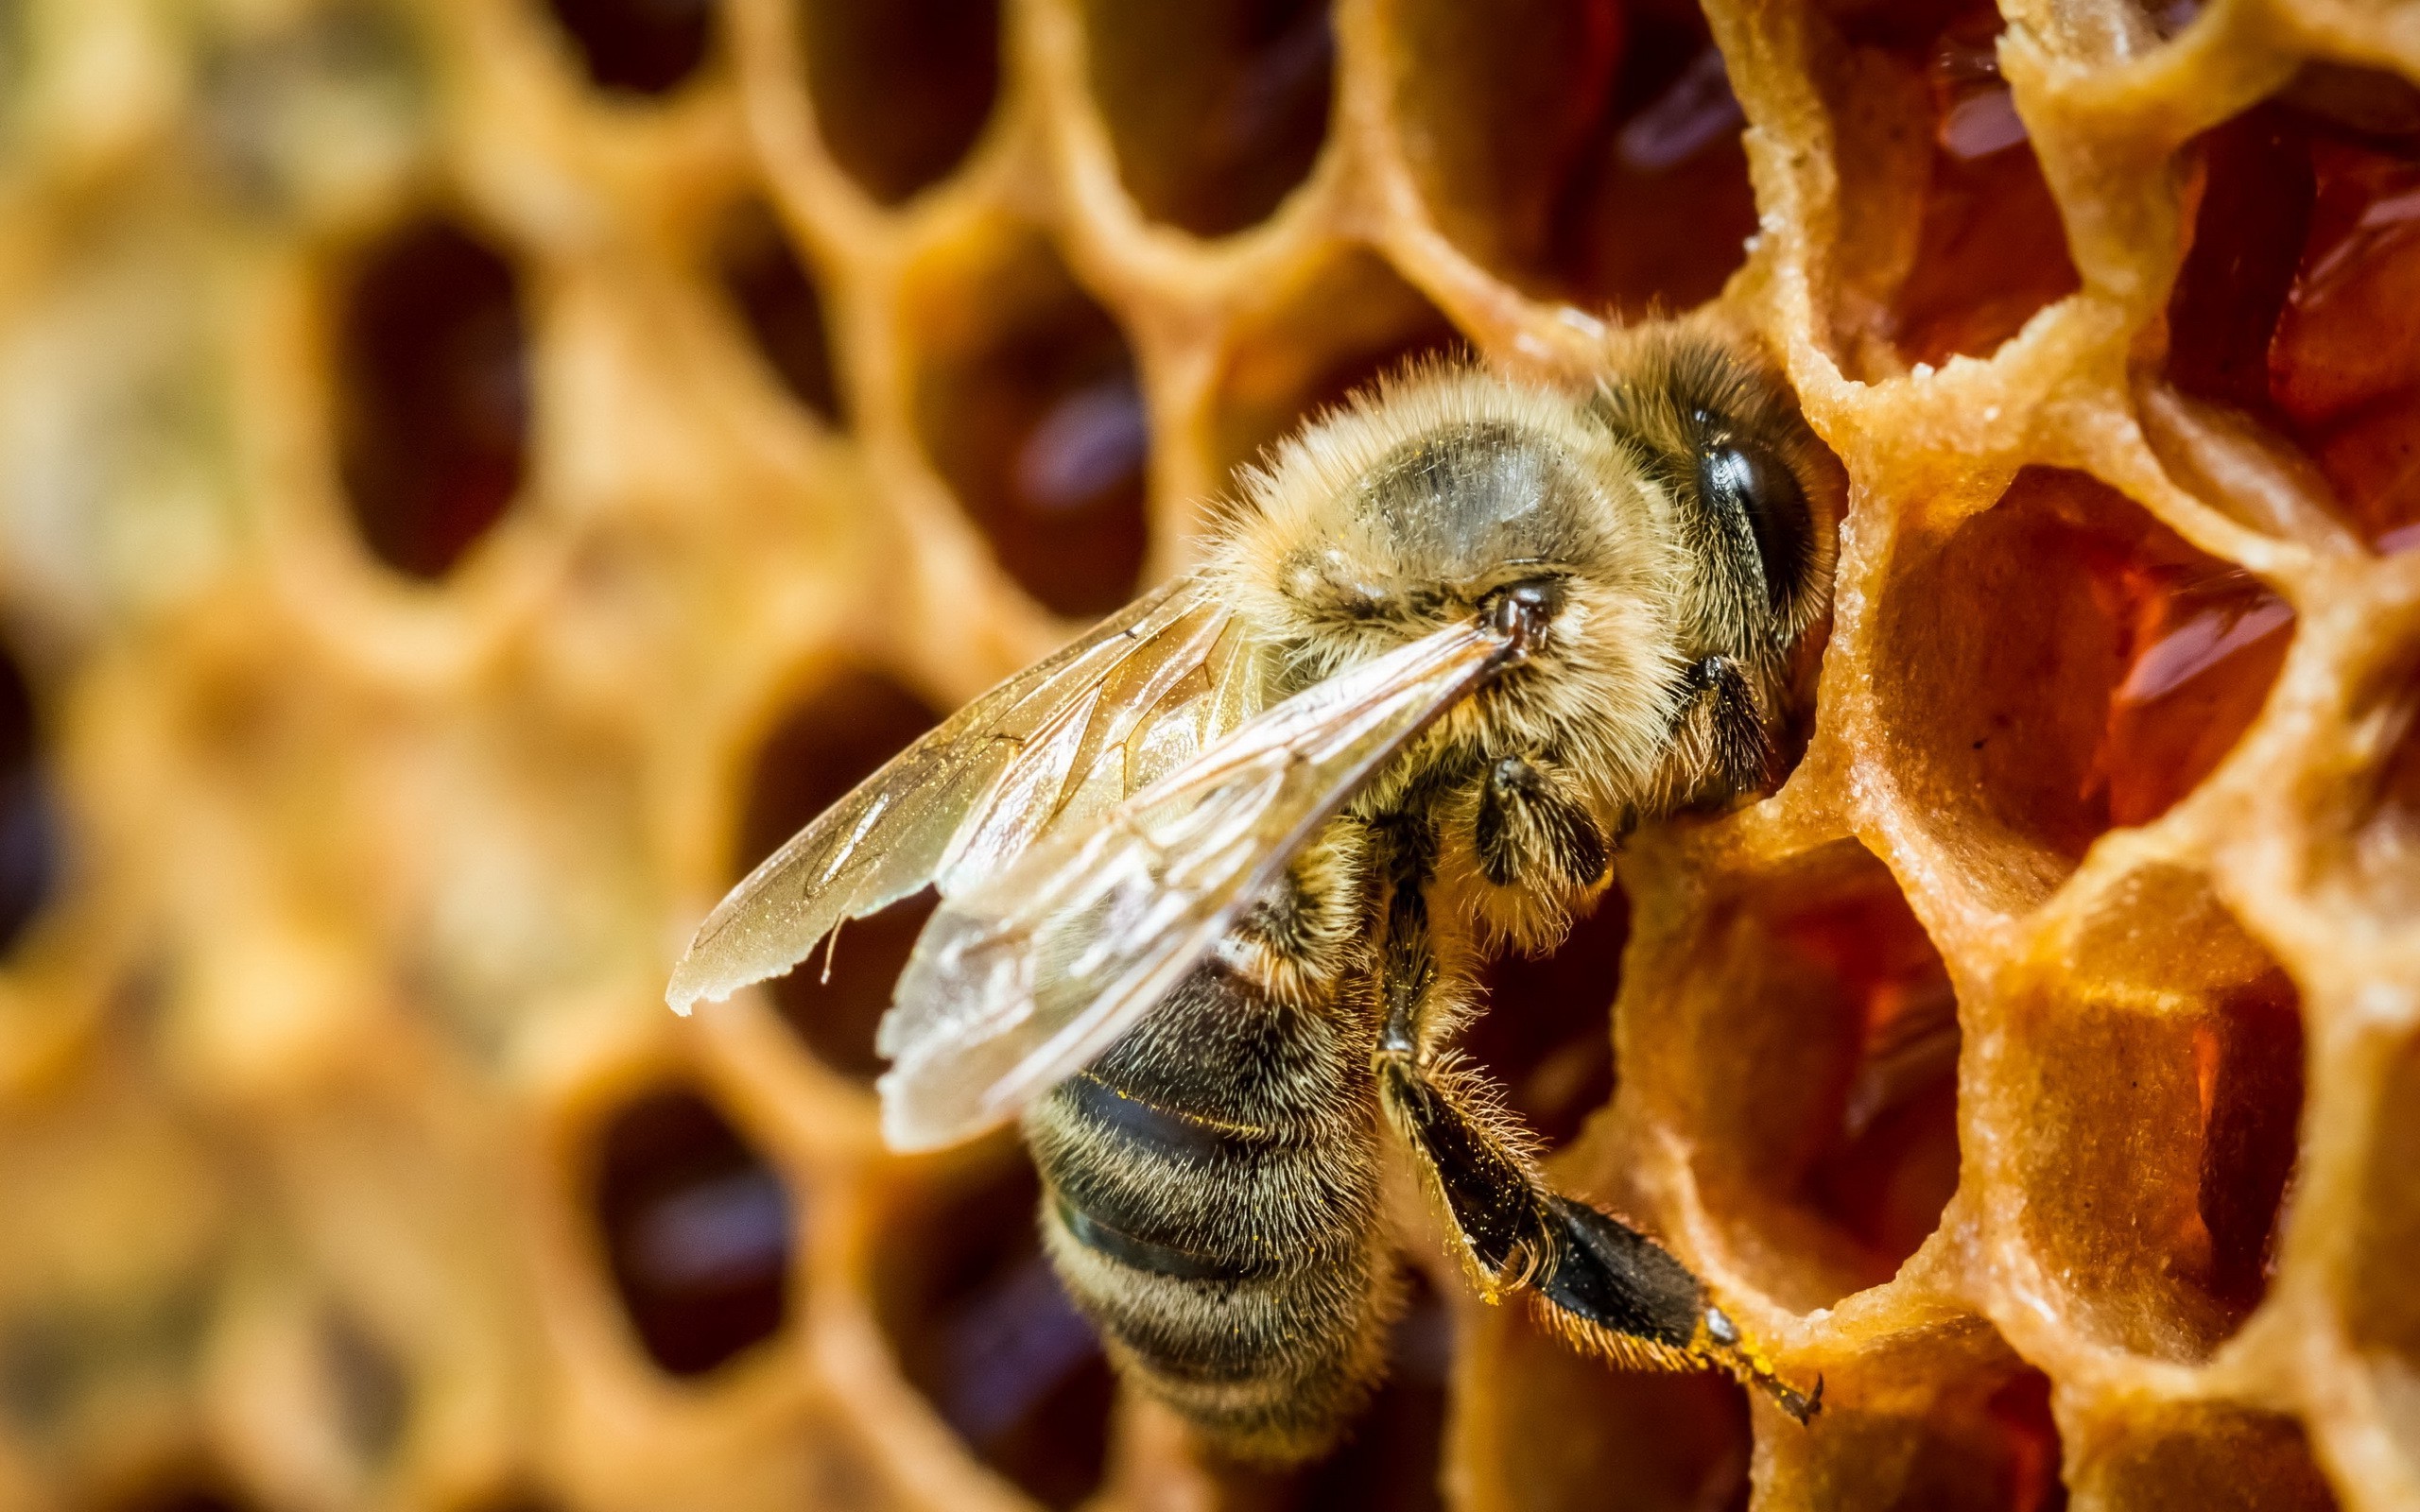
{"x":1210,"y":1198}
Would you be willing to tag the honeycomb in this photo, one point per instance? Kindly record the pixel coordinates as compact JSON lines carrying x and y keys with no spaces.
{"x":476,"y":474}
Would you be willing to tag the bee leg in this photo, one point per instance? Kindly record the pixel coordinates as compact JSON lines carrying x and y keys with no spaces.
{"x":1735,"y":730}
{"x":1527,"y":825}
{"x":1601,"y":1284}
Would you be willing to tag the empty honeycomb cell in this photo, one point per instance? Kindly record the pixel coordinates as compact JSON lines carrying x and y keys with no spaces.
{"x":2215,"y":1458}
{"x":1667,"y":1441}
{"x":1983,"y":1440}
{"x":1028,"y":404}
{"x":2159,"y":1222}
{"x":696,"y":1231}
{"x":902,"y":90}
{"x":1824,"y":1049}
{"x":1216,"y":109}
{"x":778,"y":301}
{"x":637,"y":46}
{"x":1584,"y":149}
{"x":1546,"y":1037}
{"x":183,"y":1496}
{"x":2093,"y":697}
{"x":837,"y":736}
{"x":1372,"y":323}
{"x":28,"y":838}
{"x":432,"y":381}
{"x":981,"y":1327}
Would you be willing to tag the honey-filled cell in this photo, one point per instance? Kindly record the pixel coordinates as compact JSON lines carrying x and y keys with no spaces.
{"x":1216,"y":109}
{"x":981,"y":1327}
{"x":1587,"y":149}
{"x":1815,"y":1032}
{"x":1968,"y":242}
{"x":2063,"y":663}
{"x":695,"y":1228}
{"x":833,"y":738}
{"x":2295,"y":300}
{"x":1029,"y":404}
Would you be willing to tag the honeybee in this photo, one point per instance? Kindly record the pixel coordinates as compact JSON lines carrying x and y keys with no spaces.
{"x":1217,"y":877}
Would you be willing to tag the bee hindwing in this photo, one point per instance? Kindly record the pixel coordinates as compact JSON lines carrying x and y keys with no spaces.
{"x":1048,"y":748}
{"x":1020,"y":980}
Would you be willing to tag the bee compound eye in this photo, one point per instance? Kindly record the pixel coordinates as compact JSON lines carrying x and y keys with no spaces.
{"x":1756,"y":486}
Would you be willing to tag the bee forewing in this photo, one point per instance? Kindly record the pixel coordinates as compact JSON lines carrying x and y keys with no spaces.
{"x":1021,"y":980}
{"x":966,"y":800}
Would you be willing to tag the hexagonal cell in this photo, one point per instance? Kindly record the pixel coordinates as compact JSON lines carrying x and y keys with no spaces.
{"x":849,"y":724}
{"x":2161,"y":1072}
{"x":2302,"y":275}
{"x":1587,"y":149}
{"x":1954,"y":1423}
{"x":981,"y":1327}
{"x":1676,"y":1441}
{"x":1951,"y":228}
{"x":28,"y":830}
{"x":1215,"y":110}
{"x":695,"y":1229}
{"x":637,"y":46}
{"x":900,"y":90}
{"x":1814,"y":1046}
{"x":2213,"y":1458}
{"x":1028,"y":404}
{"x":1546,"y":1036}
{"x":2029,"y":710}
{"x":1349,"y":321}
{"x":777,"y":301}
{"x":2380,"y":1313}
{"x":432,"y":394}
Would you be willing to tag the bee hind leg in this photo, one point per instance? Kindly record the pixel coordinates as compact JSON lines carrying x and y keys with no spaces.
{"x":1602,"y":1285}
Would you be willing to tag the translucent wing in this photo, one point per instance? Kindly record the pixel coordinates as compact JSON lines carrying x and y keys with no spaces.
{"x":1019,"y":981}
{"x":1050,"y":747}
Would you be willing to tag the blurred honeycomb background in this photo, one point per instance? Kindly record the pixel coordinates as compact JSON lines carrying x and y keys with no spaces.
{"x":476,"y":474}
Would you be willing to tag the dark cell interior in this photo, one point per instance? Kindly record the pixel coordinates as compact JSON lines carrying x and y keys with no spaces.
{"x":432,"y":393}
{"x":372,"y":1395}
{"x":637,"y":46}
{"x":1547,"y":1036}
{"x":184,"y":1496}
{"x":2077,"y":700}
{"x":2217,"y":1459}
{"x":1217,"y":108}
{"x":2380,"y":1308}
{"x":851,"y":724}
{"x":1586,"y":148}
{"x":29,"y":831}
{"x":982,"y":1328}
{"x":695,"y":1229}
{"x":778,"y":302}
{"x":901,"y":89}
{"x":2296,"y":300}
{"x":1370,"y":323}
{"x":1990,"y":247}
{"x":1031,"y":410}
